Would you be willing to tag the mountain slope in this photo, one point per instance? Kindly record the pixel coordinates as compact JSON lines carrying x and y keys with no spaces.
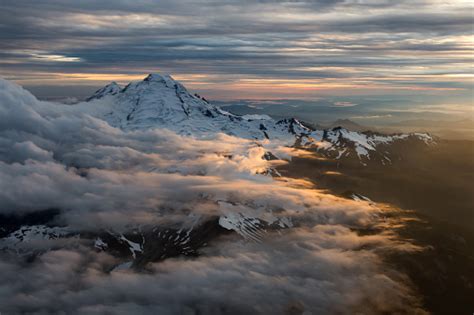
{"x":161,"y":102}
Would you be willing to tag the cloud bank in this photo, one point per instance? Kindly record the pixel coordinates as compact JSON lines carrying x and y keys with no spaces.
{"x":55,"y":156}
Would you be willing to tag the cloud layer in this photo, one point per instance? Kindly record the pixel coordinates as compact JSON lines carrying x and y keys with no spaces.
{"x":58,"y":156}
{"x":244,"y":49}
{"x":320,"y":269}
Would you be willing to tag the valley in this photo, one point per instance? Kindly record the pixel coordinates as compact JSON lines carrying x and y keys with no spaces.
{"x":433,"y":187}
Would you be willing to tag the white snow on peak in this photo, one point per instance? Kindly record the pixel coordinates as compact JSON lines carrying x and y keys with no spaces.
{"x":25,"y":235}
{"x":425,"y":137}
{"x":134,"y":247}
{"x":249,"y":223}
{"x":165,"y":78}
{"x":339,"y":140}
{"x":100,"y":244}
{"x":110,"y":89}
{"x":159,"y":101}
{"x":359,"y":197}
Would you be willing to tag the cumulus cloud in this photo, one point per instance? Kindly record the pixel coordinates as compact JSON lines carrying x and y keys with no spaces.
{"x":99,"y":177}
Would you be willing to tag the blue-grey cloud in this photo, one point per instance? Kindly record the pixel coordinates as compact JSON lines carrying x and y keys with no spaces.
{"x":409,"y":42}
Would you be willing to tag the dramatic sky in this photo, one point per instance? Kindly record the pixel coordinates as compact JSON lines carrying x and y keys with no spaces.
{"x":238,"y":49}
{"x":347,"y":55}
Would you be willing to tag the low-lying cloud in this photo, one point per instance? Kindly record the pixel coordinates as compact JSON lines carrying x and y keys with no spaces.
{"x":100,"y":177}
{"x":320,"y":269}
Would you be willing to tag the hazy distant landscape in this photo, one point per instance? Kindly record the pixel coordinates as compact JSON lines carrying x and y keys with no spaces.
{"x":382,"y":115}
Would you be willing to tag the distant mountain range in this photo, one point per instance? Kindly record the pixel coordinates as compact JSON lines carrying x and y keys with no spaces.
{"x":346,"y":124}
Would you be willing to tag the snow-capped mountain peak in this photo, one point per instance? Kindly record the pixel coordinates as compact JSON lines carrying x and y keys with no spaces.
{"x":156,"y":82}
{"x":161,"y":78}
{"x":159,"y":101}
{"x":341,"y":143}
{"x":110,"y":89}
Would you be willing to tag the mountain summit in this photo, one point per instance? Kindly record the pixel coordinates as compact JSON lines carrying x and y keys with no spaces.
{"x":110,"y":89}
{"x":159,"y":101}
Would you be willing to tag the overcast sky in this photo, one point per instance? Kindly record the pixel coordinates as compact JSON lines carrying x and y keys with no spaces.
{"x":238,"y":49}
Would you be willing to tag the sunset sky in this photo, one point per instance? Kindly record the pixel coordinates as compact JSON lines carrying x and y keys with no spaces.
{"x":221,"y":157}
{"x":239,"y":49}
